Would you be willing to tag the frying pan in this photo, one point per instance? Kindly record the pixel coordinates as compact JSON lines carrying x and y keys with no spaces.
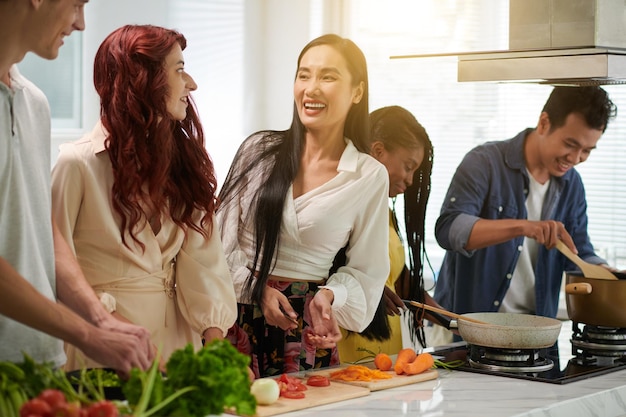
{"x":505,"y":330}
{"x":510,"y":330}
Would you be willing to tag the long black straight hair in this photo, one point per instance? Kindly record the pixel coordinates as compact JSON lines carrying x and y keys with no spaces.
{"x":396,"y":128}
{"x":284,"y":150}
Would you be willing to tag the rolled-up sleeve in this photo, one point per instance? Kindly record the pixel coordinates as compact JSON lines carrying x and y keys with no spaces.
{"x":463,"y":202}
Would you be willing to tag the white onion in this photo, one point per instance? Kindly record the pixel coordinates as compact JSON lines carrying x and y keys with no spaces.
{"x":265,"y":390}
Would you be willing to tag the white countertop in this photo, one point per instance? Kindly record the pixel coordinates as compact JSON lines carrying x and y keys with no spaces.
{"x":464,"y":394}
{"x":459,"y":393}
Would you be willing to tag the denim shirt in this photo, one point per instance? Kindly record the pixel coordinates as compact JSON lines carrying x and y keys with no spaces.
{"x":492,"y":183}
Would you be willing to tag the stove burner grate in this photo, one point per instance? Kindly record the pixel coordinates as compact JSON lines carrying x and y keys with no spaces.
{"x":598,"y":342}
{"x":566,"y":368}
{"x":508,"y":360}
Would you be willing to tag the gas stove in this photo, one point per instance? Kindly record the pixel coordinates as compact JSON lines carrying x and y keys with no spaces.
{"x":582,"y":352}
{"x":598,"y":344}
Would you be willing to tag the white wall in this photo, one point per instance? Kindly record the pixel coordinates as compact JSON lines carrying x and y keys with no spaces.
{"x":251,"y":93}
{"x":101,"y":18}
{"x":276,"y":32}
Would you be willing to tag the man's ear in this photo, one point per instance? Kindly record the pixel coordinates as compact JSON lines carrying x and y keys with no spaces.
{"x":543,"y":124}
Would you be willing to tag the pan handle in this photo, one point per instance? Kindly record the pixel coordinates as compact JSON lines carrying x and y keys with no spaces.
{"x":439,"y":319}
{"x":580,"y":288}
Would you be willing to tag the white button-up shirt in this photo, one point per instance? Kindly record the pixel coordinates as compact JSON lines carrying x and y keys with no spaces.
{"x":350,"y":208}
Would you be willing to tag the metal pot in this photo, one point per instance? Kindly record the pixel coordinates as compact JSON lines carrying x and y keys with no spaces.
{"x":509,"y":330}
{"x":597,"y":302}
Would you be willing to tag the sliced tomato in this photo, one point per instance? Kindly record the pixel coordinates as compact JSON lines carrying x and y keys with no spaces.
{"x":300,"y":386}
{"x":290,"y":383}
{"x":318,"y":381}
{"x":291,"y":387}
{"x":284,"y":378}
{"x":296,"y":395}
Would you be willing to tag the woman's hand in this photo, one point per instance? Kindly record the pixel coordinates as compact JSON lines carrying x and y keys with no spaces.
{"x":211,"y":334}
{"x":393,"y":304}
{"x":277,"y":310}
{"x":431,"y":302}
{"x":325,"y":330}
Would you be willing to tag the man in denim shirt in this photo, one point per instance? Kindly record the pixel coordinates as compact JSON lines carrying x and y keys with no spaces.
{"x":508,"y":203}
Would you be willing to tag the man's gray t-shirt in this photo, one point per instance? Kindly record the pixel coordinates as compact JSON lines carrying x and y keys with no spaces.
{"x":25,"y":210}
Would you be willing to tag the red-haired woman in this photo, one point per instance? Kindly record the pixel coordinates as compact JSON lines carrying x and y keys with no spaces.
{"x":135,"y":198}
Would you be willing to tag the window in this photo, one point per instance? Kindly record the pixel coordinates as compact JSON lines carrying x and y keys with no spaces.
{"x":215,"y":59}
{"x":61,"y":81}
{"x":459,"y":116}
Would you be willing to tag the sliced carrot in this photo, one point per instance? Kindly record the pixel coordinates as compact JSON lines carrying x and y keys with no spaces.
{"x":423,"y":362}
{"x":358,"y":373}
{"x":406,"y":355}
{"x":383,"y":362}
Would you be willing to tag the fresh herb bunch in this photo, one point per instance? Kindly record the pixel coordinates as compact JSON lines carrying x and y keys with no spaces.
{"x":215,"y":377}
{"x":107,"y":378}
{"x":39,"y":376}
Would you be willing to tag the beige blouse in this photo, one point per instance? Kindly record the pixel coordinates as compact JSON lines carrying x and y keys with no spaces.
{"x":177,"y":288}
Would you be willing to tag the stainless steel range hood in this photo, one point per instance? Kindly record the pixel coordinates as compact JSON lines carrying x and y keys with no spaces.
{"x":572,"y":66}
{"x":569,"y":42}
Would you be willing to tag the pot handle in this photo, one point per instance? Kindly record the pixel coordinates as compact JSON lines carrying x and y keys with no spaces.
{"x":580,"y":288}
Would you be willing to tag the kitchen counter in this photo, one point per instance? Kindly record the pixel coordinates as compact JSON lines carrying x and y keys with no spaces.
{"x":465,"y":394}
{"x":458,"y":393}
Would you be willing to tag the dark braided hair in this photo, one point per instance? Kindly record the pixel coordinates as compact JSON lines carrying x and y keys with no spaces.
{"x":396,"y":128}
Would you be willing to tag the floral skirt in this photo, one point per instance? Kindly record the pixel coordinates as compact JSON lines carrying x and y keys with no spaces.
{"x":272,"y":350}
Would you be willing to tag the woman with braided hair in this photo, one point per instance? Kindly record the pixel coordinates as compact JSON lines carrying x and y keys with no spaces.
{"x":401,"y":143}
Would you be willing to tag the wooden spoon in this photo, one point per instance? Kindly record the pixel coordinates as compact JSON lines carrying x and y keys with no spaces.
{"x":446,"y":312}
{"x":589,"y":270}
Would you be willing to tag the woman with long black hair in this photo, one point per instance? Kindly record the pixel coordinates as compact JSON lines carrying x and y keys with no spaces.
{"x":292,"y":200}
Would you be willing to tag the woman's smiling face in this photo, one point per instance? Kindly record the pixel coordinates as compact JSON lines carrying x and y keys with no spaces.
{"x":401,"y":164}
{"x":180,"y":84}
{"x":323,"y":89}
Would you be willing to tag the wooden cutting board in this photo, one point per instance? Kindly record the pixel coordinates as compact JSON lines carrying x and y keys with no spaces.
{"x":315,"y":396}
{"x":380,"y":384}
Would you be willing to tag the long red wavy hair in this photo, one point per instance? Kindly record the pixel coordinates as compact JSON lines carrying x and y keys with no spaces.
{"x":157,"y":161}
